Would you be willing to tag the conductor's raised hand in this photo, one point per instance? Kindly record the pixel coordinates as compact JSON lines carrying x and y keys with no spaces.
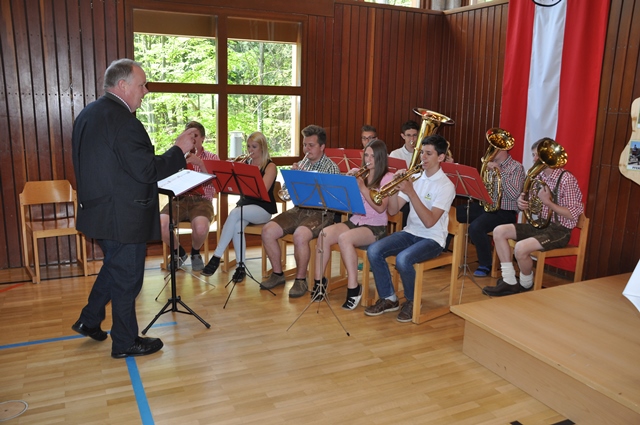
{"x":187,"y":140}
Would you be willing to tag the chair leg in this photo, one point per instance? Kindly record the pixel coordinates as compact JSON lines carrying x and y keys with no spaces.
{"x":417,"y":293}
{"x":36,"y":262}
{"x":539,"y":272}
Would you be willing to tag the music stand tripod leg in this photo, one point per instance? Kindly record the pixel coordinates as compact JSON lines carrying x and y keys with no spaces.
{"x":175,"y":299}
{"x":241,"y":265}
{"x":323,"y":292}
{"x":465,"y":265}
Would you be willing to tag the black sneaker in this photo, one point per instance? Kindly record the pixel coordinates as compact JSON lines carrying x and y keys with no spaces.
{"x":239,"y":275}
{"x":319,"y":291}
{"x":211,"y":266}
{"x":178,"y":261}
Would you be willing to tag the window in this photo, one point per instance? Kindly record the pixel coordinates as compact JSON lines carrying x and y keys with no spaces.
{"x":235,"y":78}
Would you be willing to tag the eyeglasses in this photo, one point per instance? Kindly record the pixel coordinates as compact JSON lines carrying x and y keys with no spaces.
{"x":411,"y":136}
{"x":368,"y":137}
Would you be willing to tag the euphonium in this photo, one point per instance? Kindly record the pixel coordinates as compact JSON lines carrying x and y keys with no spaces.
{"x":430,"y":123}
{"x":552,"y":155}
{"x":302,"y":166}
{"x":499,"y":140}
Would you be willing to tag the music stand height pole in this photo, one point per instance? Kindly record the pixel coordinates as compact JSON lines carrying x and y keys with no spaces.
{"x":465,"y":266}
{"x":325,"y":298}
{"x":172,"y":303}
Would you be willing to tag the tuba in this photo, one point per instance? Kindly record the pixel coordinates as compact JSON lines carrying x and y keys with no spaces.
{"x":499,"y":140}
{"x":552,"y":155}
{"x":431,"y":121}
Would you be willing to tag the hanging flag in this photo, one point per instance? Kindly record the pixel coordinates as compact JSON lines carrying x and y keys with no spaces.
{"x":553,"y":63}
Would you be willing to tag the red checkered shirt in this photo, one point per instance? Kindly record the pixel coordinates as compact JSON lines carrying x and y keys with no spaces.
{"x":567,"y":194}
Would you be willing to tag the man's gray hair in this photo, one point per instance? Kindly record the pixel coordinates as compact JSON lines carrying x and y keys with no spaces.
{"x":120,"y":69}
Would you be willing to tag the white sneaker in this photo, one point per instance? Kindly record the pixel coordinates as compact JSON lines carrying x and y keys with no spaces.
{"x":352,"y":302}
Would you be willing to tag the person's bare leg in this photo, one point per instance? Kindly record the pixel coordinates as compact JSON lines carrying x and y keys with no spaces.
{"x":348,"y":241}
{"x":199,"y":231}
{"x":301,"y":251}
{"x":271,"y":232}
{"x":330,"y":237}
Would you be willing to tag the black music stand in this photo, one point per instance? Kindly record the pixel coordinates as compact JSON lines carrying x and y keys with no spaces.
{"x":468,"y":184}
{"x":326,"y":192}
{"x":173,"y":186}
{"x":245,"y":180}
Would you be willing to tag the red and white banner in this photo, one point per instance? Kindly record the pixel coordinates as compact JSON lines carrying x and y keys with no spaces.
{"x":553,"y":63}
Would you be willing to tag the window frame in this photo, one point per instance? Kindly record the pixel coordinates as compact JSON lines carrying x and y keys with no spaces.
{"x":222,"y":88}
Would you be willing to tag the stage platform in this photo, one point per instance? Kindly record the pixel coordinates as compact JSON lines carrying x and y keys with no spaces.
{"x":575,"y":347}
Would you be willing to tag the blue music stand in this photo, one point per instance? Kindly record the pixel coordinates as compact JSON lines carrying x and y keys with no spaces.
{"x":333,"y":192}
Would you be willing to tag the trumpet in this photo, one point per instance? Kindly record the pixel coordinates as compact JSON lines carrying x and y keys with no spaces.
{"x":362,"y":172}
{"x":242,"y":159}
{"x":391,"y":188}
{"x":302,"y":166}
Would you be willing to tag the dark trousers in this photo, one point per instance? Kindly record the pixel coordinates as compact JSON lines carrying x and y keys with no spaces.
{"x":481,"y":223}
{"x":119,"y":281}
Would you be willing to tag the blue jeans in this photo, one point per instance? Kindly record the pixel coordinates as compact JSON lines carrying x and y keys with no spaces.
{"x":409,"y":250}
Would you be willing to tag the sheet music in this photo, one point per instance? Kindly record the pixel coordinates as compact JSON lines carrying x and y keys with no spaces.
{"x":632,"y":290}
{"x":183,"y":181}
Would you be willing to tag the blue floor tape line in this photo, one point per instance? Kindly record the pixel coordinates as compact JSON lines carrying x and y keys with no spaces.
{"x":66,"y":338}
{"x":138,"y":391}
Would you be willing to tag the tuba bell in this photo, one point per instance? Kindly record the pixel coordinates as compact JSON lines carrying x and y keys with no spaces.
{"x":499,"y":140}
{"x":551,"y":155}
{"x":431,"y":121}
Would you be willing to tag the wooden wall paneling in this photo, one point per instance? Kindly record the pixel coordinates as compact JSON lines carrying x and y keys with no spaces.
{"x":47,"y":115}
{"x":625,"y":213}
{"x":310,"y":80}
{"x":380,"y":73}
{"x":359,"y":60}
{"x":11,"y":142}
{"x":616,"y":127}
{"x":337,"y":52}
{"x":327,"y":32}
{"x":343,"y":89}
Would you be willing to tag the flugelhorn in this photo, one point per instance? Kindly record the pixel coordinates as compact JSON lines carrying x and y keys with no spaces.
{"x":431,"y":121}
{"x":552,"y":155}
{"x":362,"y":172}
{"x":499,"y":140}
{"x":303,"y":165}
{"x":243,"y":158}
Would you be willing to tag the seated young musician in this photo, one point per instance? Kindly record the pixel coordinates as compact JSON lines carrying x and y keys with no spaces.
{"x":423,"y":237}
{"x":194,"y":206}
{"x":561,"y":196}
{"x":361,"y":229}
{"x":254,"y":211}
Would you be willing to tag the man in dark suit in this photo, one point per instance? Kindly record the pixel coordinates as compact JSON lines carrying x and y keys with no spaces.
{"x":117,"y":173}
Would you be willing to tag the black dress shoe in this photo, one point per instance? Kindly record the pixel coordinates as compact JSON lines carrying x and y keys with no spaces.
{"x":142,"y":347}
{"x":94,"y":333}
{"x":502,"y":288}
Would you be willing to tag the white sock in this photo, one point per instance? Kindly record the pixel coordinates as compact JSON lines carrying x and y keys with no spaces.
{"x":508,"y":273}
{"x":526,"y":280}
{"x":393,"y":298}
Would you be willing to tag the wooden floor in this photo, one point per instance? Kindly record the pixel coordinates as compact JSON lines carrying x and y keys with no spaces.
{"x":248,"y":367}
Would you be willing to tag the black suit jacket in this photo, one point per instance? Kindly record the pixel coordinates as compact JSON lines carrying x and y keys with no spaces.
{"x":117,"y":173}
